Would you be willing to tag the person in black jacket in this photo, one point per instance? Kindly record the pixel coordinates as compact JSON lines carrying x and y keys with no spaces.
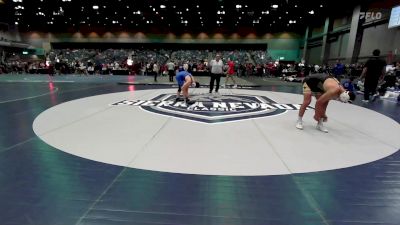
{"x":374,"y":71}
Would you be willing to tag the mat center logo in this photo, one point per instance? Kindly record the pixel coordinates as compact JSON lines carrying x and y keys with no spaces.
{"x":212,"y":108}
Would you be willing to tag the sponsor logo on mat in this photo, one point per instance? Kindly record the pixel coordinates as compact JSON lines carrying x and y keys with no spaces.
{"x":212,"y":108}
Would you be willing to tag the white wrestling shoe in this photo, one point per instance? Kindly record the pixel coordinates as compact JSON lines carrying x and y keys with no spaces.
{"x":321,"y":127}
{"x":299,"y":125}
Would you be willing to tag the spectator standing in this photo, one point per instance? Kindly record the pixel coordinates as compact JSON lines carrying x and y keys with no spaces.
{"x":171,"y":71}
{"x":230,"y":73}
{"x":338,"y":70}
{"x":156,"y":69}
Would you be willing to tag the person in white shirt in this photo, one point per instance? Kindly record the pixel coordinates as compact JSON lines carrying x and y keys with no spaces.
{"x":116,"y":66}
{"x":186,"y":66}
{"x":216,"y":72}
{"x":156,"y":70}
{"x":171,"y":71}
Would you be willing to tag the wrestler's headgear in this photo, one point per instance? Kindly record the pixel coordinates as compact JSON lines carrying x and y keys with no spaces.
{"x":347,"y":96}
{"x":196,"y":84}
{"x":344,"y":97}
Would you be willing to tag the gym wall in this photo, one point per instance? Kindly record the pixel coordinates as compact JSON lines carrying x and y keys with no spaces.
{"x":314,"y":55}
{"x":337,"y":48}
{"x":380,"y":37}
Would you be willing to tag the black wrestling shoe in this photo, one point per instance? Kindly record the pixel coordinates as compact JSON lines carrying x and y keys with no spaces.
{"x":178,"y":99}
{"x":189,"y":102}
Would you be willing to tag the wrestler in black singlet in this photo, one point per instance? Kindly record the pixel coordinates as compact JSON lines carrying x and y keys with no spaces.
{"x":316,"y":82}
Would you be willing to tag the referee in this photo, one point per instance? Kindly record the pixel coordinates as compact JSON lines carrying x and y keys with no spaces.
{"x":216,"y":72}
